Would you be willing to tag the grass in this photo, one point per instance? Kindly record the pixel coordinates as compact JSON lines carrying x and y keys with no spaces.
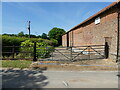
{"x":16,"y":63}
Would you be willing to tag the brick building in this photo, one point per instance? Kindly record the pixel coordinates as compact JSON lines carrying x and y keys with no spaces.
{"x":100,"y":28}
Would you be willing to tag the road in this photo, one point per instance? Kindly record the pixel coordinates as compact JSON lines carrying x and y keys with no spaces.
{"x":59,"y":79}
{"x":87,"y":79}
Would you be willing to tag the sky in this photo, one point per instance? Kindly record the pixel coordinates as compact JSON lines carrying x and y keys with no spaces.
{"x":46,"y":15}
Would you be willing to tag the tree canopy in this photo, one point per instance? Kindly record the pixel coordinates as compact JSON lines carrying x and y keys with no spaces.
{"x":44,"y":36}
{"x":56,"y":33}
{"x":21,"y":34}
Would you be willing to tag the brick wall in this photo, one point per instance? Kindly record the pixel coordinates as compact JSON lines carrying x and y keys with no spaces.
{"x":119,"y":36}
{"x":64,"y":40}
{"x":91,"y":34}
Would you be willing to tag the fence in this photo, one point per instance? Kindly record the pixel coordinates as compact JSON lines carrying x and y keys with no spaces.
{"x":16,"y":52}
{"x":73,"y":53}
{"x":25,"y":52}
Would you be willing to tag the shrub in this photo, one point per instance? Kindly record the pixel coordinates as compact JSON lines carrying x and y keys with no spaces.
{"x":27,"y":47}
{"x":20,"y":41}
{"x":54,"y":42}
{"x":8,"y":41}
{"x":42,"y":49}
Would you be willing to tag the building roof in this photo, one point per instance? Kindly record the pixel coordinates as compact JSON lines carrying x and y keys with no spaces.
{"x":101,"y":11}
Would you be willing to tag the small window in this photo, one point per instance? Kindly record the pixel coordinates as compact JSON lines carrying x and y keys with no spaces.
{"x":97,"y":20}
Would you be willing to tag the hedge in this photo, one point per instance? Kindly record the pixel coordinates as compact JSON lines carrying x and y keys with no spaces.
{"x":16,"y":41}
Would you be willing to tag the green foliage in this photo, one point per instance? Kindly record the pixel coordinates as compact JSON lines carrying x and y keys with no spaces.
{"x":16,"y":41}
{"x":21,"y":34}
{"x":9,"y":34}
{"x":44,"y":36}
{"x":56,"y":33}
{"x":27,"y":43}
{"x":33,"y":36}
{"x":54,"y":42}
{"x":39,"y":36}
{"x":26,"y":46}
{"x":43,"y":50}
{"x":10,"y":41}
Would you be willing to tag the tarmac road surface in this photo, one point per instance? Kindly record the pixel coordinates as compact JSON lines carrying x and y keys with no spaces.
{"x":59,"y":79}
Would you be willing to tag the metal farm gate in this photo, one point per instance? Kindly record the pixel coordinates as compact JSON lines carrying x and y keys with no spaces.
{"x":77,"y":53}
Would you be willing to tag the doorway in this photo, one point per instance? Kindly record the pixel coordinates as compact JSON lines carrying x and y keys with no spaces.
{"x":107,"y":46}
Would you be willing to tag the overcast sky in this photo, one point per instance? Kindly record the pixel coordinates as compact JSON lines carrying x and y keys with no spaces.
{"x":46,"y":15}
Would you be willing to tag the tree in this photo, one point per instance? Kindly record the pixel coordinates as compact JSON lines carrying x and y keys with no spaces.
{"x":44,"y":36}
{"x":9,"y":34}
{"x":56,"y":33}
{"x":33,"y":36}
{"x":21,"y":34}
{"x":38,"y":36}
{"x":26,"y":35}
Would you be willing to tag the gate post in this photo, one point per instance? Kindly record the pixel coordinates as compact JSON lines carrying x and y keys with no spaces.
{"x":106,"y":51}
{"x":34,"y":58}
{"x":71,"y":53}
{"x":89,"y":47}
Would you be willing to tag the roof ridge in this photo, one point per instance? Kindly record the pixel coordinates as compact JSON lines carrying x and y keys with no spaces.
{"x":96,"y":14}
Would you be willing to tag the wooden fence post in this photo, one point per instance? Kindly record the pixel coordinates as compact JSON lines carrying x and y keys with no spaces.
{"x":13,"y":51}
{"x":34,"y":58}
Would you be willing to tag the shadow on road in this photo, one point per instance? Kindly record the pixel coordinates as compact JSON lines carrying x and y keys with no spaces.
{"x":23,"y":79}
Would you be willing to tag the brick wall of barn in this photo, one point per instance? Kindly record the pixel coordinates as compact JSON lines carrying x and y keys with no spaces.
{"x":91,"y":34}
{"x":64,"y":40}
{"x":119,"y":37}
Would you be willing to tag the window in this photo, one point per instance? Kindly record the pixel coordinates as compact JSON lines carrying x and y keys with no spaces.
{"x":97,"y":20}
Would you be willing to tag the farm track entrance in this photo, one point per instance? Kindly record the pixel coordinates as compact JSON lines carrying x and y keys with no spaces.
{"x":77,"y":53}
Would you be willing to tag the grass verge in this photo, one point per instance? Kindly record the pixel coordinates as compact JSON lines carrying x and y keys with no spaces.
{"x":16,"y":63}
{"x":109,"y":65}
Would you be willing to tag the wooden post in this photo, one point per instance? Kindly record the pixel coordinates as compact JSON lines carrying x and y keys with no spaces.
{"x":13,"y":51}
{"x":71,"y":53}
{"x":34,"y":58}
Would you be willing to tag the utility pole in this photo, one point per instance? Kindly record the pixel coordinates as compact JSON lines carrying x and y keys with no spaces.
{"x":29,"y":28}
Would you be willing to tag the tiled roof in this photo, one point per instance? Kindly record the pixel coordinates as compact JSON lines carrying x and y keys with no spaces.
{"x":101,"y":11}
